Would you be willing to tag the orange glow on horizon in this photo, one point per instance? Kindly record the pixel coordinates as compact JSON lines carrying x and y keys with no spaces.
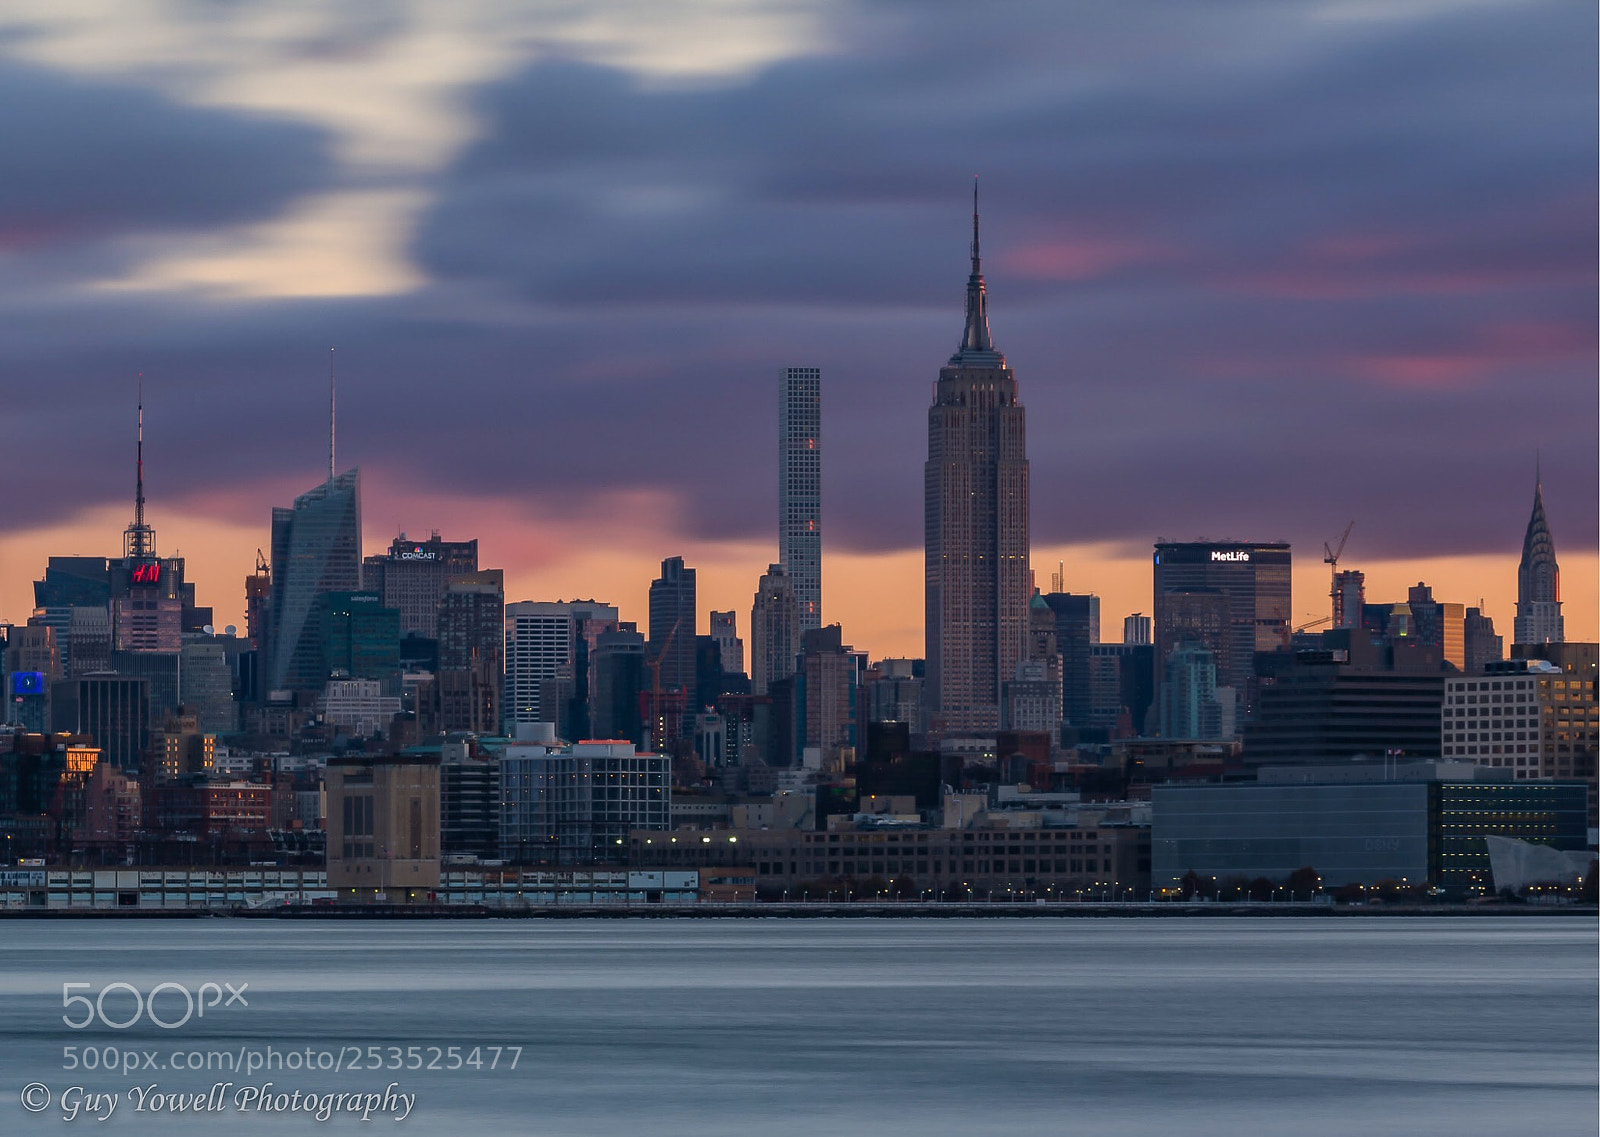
{"x":876,"y":597}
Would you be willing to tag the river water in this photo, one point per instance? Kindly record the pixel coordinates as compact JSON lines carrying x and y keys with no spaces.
{"x":1201,"y":1026}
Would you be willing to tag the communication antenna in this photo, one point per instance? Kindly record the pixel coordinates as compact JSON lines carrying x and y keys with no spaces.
{"x":332,"y":412}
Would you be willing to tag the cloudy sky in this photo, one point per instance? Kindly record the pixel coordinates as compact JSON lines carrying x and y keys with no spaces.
{"x":1261,"y":269}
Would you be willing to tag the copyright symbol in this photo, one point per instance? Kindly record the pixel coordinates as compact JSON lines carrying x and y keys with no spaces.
{"x":35,"y":1097}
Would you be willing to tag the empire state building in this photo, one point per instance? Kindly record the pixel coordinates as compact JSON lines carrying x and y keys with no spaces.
{"x":976,"y":517}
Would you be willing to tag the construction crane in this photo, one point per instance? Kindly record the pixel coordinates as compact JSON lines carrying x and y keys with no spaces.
{"x":1331,"y":559}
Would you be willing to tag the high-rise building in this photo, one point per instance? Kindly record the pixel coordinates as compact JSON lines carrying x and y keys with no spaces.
{"x":1192,"y":705}
{"x":725,"y":630}
{"x":411,"y":577}
{"x":672,"y":626}
{"x":616,"y":681}
{"x":1250,"y":583}
{"x":1136,"y":629}
{"x":1349,"y":598}
{"x":830,"y":672}
{"x":471,"y":652}
{"x":114,"y":710}
{"x":1034,"y":698}
{"x":1439,"y":624}
{"x":541,"y":645}
{"x":316,"y":548}
{"x":975,"y":498}
{"x":1479,"y":644}
{"x":1539,"y":619}
{"x":800,"y":488}
{"x":1077,"y":628}
{"x":774,"y":630}
{"x":360,"y":636}
{"x":1526,"y":714}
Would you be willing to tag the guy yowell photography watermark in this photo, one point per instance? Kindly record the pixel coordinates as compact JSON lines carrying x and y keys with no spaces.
{"x":76,"y":1103}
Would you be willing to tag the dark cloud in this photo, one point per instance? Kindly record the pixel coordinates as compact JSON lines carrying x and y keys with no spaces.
{"x":1257,"y":272}
{"x":88,"y":160}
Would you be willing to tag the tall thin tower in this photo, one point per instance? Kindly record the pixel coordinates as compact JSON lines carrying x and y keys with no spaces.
{"x":800,"y":488}
{"x":1539,"y":619}
{"x":139,"y":539}
{"x":976,"y":516}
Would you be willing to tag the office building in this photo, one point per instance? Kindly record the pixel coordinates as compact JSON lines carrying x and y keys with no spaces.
{"x":1033,"y":695}
{"x":616,"y":683}
{"x":206,"y":683}
{"x":1349,"y":598}
{"x":1234,"y":597}
{"x":360,"y":636}
{"x":831,"y":673}
{"x":977,"y":579}
{"x":1077,"y":630}
{"x":1136,"y":629}
{"x":1418,"y":823}
{"x":547,"y":641}
{"x":800,"y":488}
{"x":383,"y":827}
{"x":316,"y":548}
{"x":1192,"y":704}
{"x":774,"y":630}
{"x":1122,"y":688}
{"x":1336,"y":705}
{"x":471,"y":652}
{"x":411,"y":577}
{"x":578,"y":805}
{"x":357,"y":707}
{"x":113,"y":710}
{"x":894,"y":692}
{"x":1527,"y":715}
{"x":1439,"y":624}
{"x":730,"y":648}
{"x":469,"y":800}
{"x":1479,"y":644}
{"x":672,"y":627}
{"x":1539,"y":617}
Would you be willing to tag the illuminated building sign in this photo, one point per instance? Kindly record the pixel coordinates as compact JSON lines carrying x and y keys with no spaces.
{"x":147,"y":573}
{"x":415,"y":554}
{"x":27,"y":683}
{"x":1234,"y":555}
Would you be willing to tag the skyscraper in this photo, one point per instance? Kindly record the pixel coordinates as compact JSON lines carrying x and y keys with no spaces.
{"x":316,"y":548}
{"x":800,"y":488}
{"x":672,"y":625}
{"x":774,"y":630}
{"x":1233,"y":597}
{"x":976,"y":518}
{"x":542,"y":645}
{"x":1539,"y":618}
{"x":725,"y":630}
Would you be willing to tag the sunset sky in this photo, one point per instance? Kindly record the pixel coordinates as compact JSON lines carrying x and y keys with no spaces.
{"x":1261,"y":269}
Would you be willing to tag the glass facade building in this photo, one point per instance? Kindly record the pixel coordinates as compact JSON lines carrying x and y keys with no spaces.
{"x":316,"y":548}
{"x":1421,"y":832}
{"x":800,"y":488}
{"x":578,"y":806}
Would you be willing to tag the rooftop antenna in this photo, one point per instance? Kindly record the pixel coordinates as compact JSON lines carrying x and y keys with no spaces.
{"x":332,"y":409}
{"x":139,"y":540}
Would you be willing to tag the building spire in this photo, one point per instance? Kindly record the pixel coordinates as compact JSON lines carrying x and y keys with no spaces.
{"x":975,"y":337}
{"x":332,"y":409}
{"x":139,"y":540}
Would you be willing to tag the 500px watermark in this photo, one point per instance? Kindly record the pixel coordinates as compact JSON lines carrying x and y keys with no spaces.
{"x":168,"y":1005}
{"x":256,"y":1059}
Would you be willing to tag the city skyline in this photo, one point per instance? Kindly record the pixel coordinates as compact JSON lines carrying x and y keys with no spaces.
{"x":1339,"y":316}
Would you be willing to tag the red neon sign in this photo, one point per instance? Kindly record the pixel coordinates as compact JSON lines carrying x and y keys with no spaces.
{"x":147,"y":573}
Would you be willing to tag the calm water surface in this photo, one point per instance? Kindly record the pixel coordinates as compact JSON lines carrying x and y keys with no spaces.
{"x":928,"y":1027}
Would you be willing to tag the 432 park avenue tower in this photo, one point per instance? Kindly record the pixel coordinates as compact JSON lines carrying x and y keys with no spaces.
{"x":976,"y":516}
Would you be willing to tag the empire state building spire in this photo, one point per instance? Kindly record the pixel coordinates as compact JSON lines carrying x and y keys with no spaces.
{"x":977,"y":345}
